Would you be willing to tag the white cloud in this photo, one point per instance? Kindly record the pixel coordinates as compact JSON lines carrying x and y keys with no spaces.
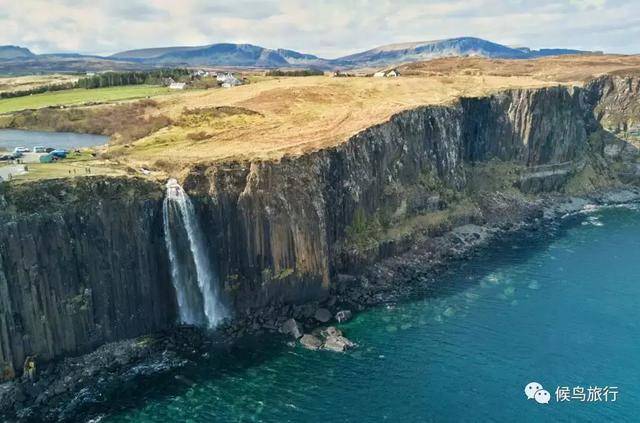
{"x":329,"y":28}
{"x":588,"y":4}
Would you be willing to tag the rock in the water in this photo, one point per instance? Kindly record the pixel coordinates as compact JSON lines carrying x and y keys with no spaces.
{"x":337,"y":343}
{"x":323,"y":315}
{"x":9,"y":395}
{"x":346,"y":279}
{"x":310,"y":342}
{"x":292,"y":327}
{"x":330,"y":331}
{"x":343,"y":316}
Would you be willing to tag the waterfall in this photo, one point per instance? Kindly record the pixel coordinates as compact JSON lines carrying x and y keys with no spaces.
{"x":197,"y":293}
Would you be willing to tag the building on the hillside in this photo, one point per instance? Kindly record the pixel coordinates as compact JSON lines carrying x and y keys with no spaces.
{"x":177,"y":86}
{"x":392,"y":73}
{"x":228,"y":80}
{"x":380,"y":74}
{"x":201,"y":73}
{"x":341,"y":74}
{"x":231,"y":83}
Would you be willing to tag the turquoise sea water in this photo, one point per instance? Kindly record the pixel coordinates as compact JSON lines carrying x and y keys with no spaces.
{"x":559,"y":307}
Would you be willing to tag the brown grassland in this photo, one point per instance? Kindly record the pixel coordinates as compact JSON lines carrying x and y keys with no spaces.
{"x":23,"y":83}
{"x":291,"y":116}
{"x":276,"y":116}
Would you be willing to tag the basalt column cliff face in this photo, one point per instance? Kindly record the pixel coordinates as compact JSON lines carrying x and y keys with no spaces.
{"x":81,"y":263}
{"x":85,"y":262}
{"x":283,"y":230}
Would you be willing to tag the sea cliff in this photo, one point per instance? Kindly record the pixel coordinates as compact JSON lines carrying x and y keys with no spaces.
{"x":83,"y":261}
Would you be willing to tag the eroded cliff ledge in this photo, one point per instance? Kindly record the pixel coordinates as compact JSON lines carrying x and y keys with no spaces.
{"x":83,"y":261}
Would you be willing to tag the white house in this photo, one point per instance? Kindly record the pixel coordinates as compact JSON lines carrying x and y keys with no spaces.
{"x":228,"y":80}
{"x":177,"y":86}
{"x":392,"y":74}
{"x":201,"y":73}
{"x":229,"y":84}
{"x":378,"y":74}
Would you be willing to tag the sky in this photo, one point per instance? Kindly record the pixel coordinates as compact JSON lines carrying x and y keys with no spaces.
{"x":328,"y":28}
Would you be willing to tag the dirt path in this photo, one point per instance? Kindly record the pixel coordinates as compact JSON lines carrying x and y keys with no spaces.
{"x":9,"y":171}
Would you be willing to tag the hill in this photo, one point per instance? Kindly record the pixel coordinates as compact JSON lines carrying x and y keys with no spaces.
{"x":222,"y":54}
{"x":14,"y":52}
{"x":16,"y":60}
{"x":453,"y":47}
{"x":148,"y":53}
{"x":273,"y":117}
{"x":247,"y":55}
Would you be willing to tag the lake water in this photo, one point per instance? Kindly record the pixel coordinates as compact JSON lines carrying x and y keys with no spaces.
{"x":559,"y":307}
{"x":12,"y":138}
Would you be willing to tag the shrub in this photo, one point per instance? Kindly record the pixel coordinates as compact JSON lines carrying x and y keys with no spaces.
{"x":364,"y":231}
{"x":198,"y":136}
{"x":300,"y":72}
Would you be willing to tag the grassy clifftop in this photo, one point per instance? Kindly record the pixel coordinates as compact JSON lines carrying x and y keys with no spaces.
{"x":57,"y":195}
{"x":79,"y":96}
{"x":273,"y":117}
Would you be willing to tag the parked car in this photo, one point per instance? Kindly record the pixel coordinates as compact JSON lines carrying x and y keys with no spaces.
{"x":21,"y":150}
{"x":48,"y":150}
{"x":46,"y":158}
{"x":39,"y":149}
{"x":61,"y":154}
{"x":6,"y":157}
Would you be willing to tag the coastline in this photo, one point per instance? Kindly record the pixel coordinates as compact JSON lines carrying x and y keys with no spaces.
{"x":73,"y":388}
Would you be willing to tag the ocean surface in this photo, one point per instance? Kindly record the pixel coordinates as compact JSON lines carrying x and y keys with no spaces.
{"x":558,"y":307}
{"x":12,"y":138}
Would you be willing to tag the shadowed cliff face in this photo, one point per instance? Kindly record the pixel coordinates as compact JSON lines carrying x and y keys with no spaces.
{"x":81,"y":263}
{"x":84,"y":262}
{"x":279,"y":229}
{"x":533,"y":127}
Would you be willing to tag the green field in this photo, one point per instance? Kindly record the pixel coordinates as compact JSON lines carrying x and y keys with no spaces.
{"x":75,"y":165}
{"x":79,"y":96}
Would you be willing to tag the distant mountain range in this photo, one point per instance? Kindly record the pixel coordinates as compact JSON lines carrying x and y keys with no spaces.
{"x":14,"y":52}
{"x":465,"y":46}
{"x":225,"y":54}
{"x":17,"y":59}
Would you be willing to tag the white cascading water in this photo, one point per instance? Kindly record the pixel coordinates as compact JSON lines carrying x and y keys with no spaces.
{"x":177,"y":203}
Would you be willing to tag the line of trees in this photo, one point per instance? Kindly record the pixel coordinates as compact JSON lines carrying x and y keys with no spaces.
{"x":106,"y":79}
{"x":301,"y":72}
{"x":114,"y":79}
{"x":38,"y":90}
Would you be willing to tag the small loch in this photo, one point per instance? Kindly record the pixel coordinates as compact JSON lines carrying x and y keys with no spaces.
{"x":12,"y":138}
